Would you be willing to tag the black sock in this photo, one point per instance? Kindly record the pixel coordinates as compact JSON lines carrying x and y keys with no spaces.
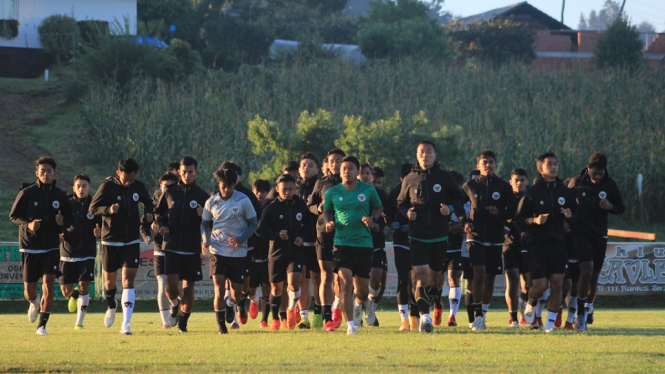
{"x":282,"y":315}
{"x":75,"y":294}
{"x":317,"y":308}
{"x":221,"y":317}
{"x":327,"y":312}
{"x":434,"y":294}
{"x":182,"y":321}
{"x":266,"y":309}
{"x":513,"y":316}
{"x":478,"y":308}
{"x":422,"y":300}
{"x":580,"y":306}
{"x":470,"y":311}
{"x":43,"y":319}
{"x":110,"y":297}
{"x":275,"y":302}
{"x":524,"y":296}
{"x":533,"y":303}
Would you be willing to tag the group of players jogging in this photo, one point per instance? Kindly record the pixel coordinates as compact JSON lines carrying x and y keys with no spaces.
{"x":324,"y":237}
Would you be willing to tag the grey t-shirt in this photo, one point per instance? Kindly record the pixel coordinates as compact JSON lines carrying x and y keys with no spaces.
{"x":229,"y":220}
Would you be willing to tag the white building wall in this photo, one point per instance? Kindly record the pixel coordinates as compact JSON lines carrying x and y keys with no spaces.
{"x":32,"y":12}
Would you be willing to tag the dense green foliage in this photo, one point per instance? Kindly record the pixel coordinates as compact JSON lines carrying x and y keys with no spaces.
{"x":619,"y":46}
{"x":58,"y":35}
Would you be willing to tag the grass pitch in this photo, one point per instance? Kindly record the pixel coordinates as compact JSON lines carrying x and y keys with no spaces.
{"x":618,"y":341}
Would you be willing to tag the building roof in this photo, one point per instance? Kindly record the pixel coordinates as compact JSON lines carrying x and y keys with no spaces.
{"x":520,"y":12}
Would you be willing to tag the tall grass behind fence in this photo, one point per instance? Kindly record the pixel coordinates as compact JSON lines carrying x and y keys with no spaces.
{"x":513,"y":111}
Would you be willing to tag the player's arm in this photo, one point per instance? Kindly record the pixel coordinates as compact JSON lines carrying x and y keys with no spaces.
{"x":161,"y":209}
{"x":264,"y":229}
{"x":456,"y":197}
{"x":524,"y":214}
{"x":99,"y":205}
{"x":316,"y":199}
{"x":19,"y":212}
{"x":250,"y":218}
{"x":508,"y":211}
{"x":616,"y":200}
{"x":66,"y":211}
{"x":404,"y":199}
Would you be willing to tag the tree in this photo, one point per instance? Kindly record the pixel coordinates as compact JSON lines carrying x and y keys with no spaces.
{"x":158,"y":15}
{"x":599,"y":21}
{"x":59,"y":35}
{"x":619,"y":46}
{"x":646,"y":27}
{"x":582,"y":25}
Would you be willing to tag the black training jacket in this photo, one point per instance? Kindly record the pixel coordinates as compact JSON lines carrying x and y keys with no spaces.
{"x":318,"y":196}
{"x":80,"y":240}
{"x":484,"y":192}
{"x":305,"y":191}
{"x":542,"y":198}
{"x":379,"y":237}
{"x":592,"y":218}
{"x":125,"y":226}
{"x":177,"y":210}
{"x":426,"y":190}
{"x":514,"y":236}
{"x":290,"y":215}
{"x":40,"y":201}
{"x":158,"y":239}
{"x":392,"y":214}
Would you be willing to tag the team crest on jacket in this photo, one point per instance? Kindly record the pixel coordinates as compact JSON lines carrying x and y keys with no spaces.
{"x":562,"y":201}
{"x":135,"y":196}
{"x":235,"y":209}
{"x":299,"y":216}
{"x":36,"y":203}
{"x":496,"y":196}
{"x":542,"y":202}
{"x":281,"y":216}
{"x":90,"y":216}
{"x":437,"y":188}
{"x":602,"y":194}
{"x":193,"y":204}
{"x":583,"y":194}
{"x":119,"y":198}
{"x":56,"y":204}
{"x":361,"y":197}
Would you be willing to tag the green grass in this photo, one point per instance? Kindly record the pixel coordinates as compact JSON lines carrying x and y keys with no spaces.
{"x":619,"y":341}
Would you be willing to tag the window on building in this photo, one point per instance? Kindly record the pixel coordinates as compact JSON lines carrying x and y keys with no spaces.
{"x":8,"y":9}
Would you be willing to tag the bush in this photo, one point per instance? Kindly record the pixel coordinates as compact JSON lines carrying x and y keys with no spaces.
{"x":8,"y":28}
{"x":496,"y":42}
{"x":165,"y":13}
{"x":189,"y":61}
{"x":59,"y":34}
{"x":619,"y":46}
{"x":92,"y":31}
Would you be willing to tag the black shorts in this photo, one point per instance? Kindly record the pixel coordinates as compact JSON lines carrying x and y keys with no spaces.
{"x":158,"y":262}
{"x":36,"y":265}
{"x":115,"y":257}
{"x":310,"y":260}
{"x":258,"y":273}
{"x":488,"y":256}
{"x":232,"y":268}
{"x":590,"y":247}
{"x":379,"y":259}
{"x":278,"y":267}
{"x":324,"y":248}
{"x":79,"y":271}
{"x":547,"y":258}
{"x":356,"y":259}
{"x":573,"y":271}
{"x":466,"y":266}
{"x":512,"y":257}
{"x":187,"y":267}
{"x":453,"y":261}
{"x":431,"y":254}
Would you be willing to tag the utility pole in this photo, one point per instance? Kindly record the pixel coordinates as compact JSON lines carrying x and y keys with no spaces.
{"x":622,"y":5}
{"x":563,"y":7}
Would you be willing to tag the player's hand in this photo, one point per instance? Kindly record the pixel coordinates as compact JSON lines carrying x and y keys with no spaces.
{"x":395,"y":226}
{"x":468,"y":227}
{"x":541,"y":219}
{"x":298,"y":242}
{"x":320,"y":208}
{"x":284,"y":235}
{"x":154,"y":226}
{"x":235,"y":242}
{"x":567,"y":212}
{"x":97,"y":231}
{"x":59,"y":219}
{"x":566,"y":227}
{"x":205,"y":248}
{"x":445,"y":210}
{"x":115,"y":208}
{"x":163,"y":230}
{"x":149,"y":217}
{"x":62,"y":237}
{"x":199,"y":210}
{"x":411,"y":214}
{"x":605,"y":204}
{"x":330,"y":226}
{"x":368,"y":221}
{"x":35,"y":225}
{"x":493,"y":210}
{"x":376,"y":227}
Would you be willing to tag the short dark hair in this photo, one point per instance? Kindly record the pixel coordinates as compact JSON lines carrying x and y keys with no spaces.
{"x":81,"y":177}
{"x":310,"y":156}
{"x":485,"y":155}
{"x":285,"y":178}
{"x":261,"y":185}
{"x":168,"y":177}
{"x":230,"y":165}
{"x":188,"y":161}
{"x":428,"y":142}
{"x":128,"y":165}
{"x":377,"y":171}
{"x":228,"y":176}
{"x":519,"y":172}
{"x":366,"y":165}
{"x":336,"y":151}
{"x":598,"y":160}
{"x":540,"y":160}
{"x":405,"y":169}
{"x":45,"y":160}
{"x":459,"y":178}
{"x":352,"y":160}
{"x":173,"y":167}
{"x":290,"y":166}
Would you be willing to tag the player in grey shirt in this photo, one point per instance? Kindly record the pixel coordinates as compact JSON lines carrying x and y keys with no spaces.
{"x":228,"y":220}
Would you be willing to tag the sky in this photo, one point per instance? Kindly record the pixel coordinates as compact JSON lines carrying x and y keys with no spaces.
{"x":652,"y":11}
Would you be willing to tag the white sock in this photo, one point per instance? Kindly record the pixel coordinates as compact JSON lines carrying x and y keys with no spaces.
{"x":572,"y":309}
{"x":81,"y":308}
{"x":542,"y":303}
{"x":454,"y":296}
{"x":486,"y":309}
{"x":35,"y":302}
{"x":175,"y":302}
{"x":229,"y":303}
{"x":128,"y":300}
{"x":304,"y":313}
{"x":336,"y":303}
{"x":351,"y":324}
{"x":372,"y":293}
{"x":255,"y":299}
{"x":403,"y":311}
{"x":227,"y":294}
{"x":162,"y":299}
{"x":165,"y":314}
{"x":293,"y":299}
{"x":588,"y":307}
{"x":551,"y":318}
{"x":355,"y":303}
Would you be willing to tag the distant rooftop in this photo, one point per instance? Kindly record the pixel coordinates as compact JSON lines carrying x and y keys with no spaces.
{"x":520,"y":12}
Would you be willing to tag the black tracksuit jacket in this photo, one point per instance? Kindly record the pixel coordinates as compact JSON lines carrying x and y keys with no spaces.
{"x":484,"y":192}
{"x":592,"y":218}
{"x":392,"y":214}
{"x":318,"y":196}
{"x":80,"y":240}
{"x":177,"y":210}
{"x":290,"y":215}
